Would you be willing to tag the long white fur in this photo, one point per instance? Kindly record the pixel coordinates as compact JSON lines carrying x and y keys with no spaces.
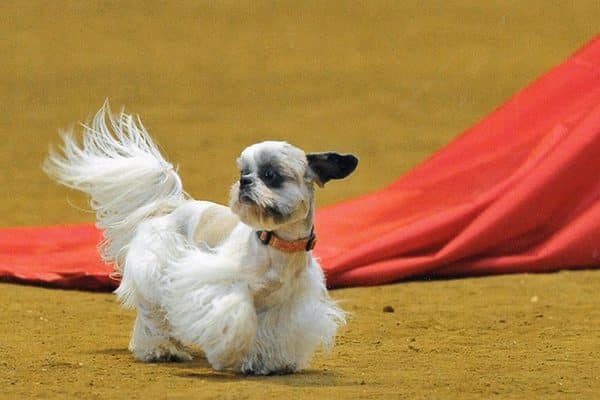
{"x":122,"y":171}
{"x":249,"y":307}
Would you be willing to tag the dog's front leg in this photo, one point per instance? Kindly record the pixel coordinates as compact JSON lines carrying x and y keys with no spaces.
{"x":230,"y":333}
{"x":218,"y":317}
{"x":290,"y":331}
{"x":277,"y":349}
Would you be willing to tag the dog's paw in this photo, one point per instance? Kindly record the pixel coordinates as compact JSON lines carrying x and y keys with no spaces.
{"x":181,"y":356}
{"x":263,"y":370}
{"x":285,"y":371}
{"x":169,"y":357}
{"x":163,"y":355}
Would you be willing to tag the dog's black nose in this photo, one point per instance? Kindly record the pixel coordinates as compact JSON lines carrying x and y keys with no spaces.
{"x":244,"y":181}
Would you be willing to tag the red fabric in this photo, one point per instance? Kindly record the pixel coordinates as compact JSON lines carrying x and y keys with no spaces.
{"x":59,"y":256}
{"x":518,"y":192}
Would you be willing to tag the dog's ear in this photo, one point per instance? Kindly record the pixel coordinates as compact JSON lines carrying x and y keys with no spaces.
{"x":327,"y":166}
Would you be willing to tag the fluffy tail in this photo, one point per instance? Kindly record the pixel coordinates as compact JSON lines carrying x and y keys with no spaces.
{"x":123,"y":172}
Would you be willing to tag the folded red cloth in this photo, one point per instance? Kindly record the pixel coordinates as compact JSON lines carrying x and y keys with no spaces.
{"x":518,"y":192}
{"x":60,"y":256}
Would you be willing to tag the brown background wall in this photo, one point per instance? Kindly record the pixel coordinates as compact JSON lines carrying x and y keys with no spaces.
{"x":390,"y":81}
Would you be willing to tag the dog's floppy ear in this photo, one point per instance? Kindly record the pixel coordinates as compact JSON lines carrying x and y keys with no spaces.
{"x":330,"y":165}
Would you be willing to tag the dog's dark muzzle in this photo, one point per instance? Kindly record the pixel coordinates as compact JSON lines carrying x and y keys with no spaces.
{"x":245,"y":182}
{"x":245,"y":187}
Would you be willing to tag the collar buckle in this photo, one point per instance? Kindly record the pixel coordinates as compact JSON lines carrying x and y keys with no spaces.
{"x":264,"y":236}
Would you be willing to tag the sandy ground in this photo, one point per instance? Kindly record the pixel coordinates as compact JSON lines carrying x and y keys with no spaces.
{"x":518,"y":336}
{"x":389,"y":82}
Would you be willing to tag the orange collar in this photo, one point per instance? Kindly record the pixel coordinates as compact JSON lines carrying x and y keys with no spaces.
{"x":291,"y":246}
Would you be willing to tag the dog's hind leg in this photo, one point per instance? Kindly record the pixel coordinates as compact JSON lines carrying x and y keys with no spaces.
{"x":150,"y":340}
{"x":140,"y":288}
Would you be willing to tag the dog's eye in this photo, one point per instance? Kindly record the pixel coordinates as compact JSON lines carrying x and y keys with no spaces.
{"x":271,"y":177}
{"x":269,"y":174}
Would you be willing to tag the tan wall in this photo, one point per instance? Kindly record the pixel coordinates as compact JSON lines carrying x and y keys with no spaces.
{"x":389,"y":80}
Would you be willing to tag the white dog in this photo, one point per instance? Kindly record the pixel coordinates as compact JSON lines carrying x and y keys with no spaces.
{"x":239,"y":282}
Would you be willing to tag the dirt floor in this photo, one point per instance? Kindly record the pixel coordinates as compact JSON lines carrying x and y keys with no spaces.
{"x":390,"y":81}
{"x":520,"y":336}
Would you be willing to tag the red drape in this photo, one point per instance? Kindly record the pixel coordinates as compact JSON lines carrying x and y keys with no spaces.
{"x":518,"y":192}
{"x":60,"y":256}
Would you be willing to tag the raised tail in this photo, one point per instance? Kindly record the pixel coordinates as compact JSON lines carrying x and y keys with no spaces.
{"x":123,"y":172}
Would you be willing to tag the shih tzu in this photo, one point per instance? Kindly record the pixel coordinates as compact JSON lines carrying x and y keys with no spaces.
{"x":238,"y":282}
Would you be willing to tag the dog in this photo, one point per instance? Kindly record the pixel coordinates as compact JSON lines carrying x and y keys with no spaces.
{"x":239,"y":282}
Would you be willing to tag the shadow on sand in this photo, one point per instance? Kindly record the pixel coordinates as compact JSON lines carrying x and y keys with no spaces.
{"x":200,"y":369}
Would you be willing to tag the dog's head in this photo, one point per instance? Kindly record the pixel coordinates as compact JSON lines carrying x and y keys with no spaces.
{"x":276,"y":182}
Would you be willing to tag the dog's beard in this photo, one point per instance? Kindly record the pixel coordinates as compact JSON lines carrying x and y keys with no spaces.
{"x":262,"y":209}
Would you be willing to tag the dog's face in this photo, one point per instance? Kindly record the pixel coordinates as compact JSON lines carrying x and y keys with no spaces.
{"x":276,"y":182}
